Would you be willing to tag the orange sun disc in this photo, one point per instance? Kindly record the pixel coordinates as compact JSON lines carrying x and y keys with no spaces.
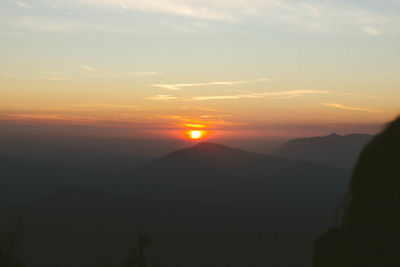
{"x":195,"y":134}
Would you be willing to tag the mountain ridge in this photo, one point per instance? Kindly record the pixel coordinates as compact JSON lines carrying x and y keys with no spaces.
{"x":210,"y":168}
{"x":205,"y":201}
{"x":333,"y":149}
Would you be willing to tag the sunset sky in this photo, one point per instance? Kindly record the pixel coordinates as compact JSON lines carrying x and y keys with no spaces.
{"x":155,"y":68}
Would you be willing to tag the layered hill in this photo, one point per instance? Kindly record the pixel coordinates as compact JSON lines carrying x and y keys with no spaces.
{"x":335,"y":150}
{"x":213,"y":169}
{"x":208,"y":205}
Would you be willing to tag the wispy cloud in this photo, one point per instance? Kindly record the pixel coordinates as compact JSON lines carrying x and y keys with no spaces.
{"x":54,"y":78}
{"x":60,"y":117}
{"x":65,"y":25}
{"x":369,"y":30}
{"x":190,"y":8}
{"x":323,"y":16}
{"x":49,"y":76}
{"x":215,"y":116}
{"x":22,"y":4}
{"x":350,"y":108}
{"x":46,"y":72}
{"x":279,"y":94}
{"x":179,"y":86}
{"x":97,"y":73}
{"x":88,"y":68}
{"x":371,"y":96}
{"x":144,"y":73}
{"x":111,"y":106}
{"x":126,"y":75}
{"x":318,"y":16}
{"x":163,"y":97}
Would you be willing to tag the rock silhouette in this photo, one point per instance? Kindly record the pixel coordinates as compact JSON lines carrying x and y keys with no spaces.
{"x":370,"y":232}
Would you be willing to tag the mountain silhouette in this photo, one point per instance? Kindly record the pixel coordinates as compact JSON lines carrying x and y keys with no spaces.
{"x":209,"y":170}
{"x":335,"y":150}
{"x":207,"y":205}
{"x":24,"y":178}
{"x":76,"y":226}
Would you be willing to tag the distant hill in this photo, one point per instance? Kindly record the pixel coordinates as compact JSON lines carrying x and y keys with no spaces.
{"x":333,"y":149}
{"x":208,"y":167}
{"x":262,"y":194}
{"x":24,"y":178}
{"x":75,"y":226}
{"x":208,"y":205}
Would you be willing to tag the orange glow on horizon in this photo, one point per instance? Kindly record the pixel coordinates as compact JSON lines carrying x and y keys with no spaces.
{"x":194,"y":125}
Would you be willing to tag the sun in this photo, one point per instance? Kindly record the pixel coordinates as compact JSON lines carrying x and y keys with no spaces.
{"x":196,"y":134}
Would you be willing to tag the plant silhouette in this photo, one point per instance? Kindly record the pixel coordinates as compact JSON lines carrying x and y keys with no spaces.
{"x":136,"y":257}
{"x":7,"y":258}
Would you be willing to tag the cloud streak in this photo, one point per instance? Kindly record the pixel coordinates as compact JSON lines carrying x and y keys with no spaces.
{"x":123,"y":75}
{"x":317,"y":16}
{"x":179,"y":86}
{"x":280,"y":94}
{"x":350,"y":108}
{"x":88,"y":68}
{"x":65,"y":25}
{"x":42,"y":76}
{"x":320,"y":16}
{"x":126,"y":75}
{"x":112,"y":106}
{"x":22,"y":4}
{"x":369,"y":30}
{"x":163,"y":97}
{"x":191,"y":9}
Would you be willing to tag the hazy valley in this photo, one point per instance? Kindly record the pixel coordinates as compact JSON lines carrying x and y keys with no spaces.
{"x":207,"y":205}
